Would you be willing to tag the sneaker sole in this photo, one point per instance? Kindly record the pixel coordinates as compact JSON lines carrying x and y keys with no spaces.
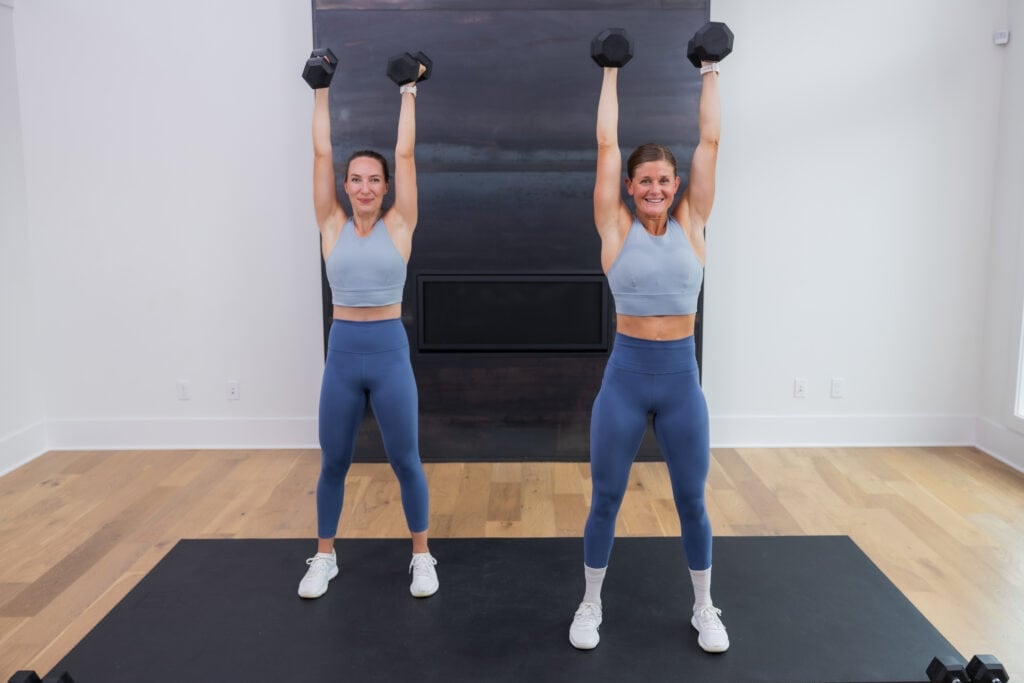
{"x":311,"y":596}
{"x":424,"y":595}
{"x":581,"y":646}
{"x":712,"y":650}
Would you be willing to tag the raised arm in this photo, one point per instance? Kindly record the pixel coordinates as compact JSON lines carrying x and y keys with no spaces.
{"x":330,"y":215}
{"x":610,"y":212}
{"x":405,"y":212}
{"x":700,"y":193}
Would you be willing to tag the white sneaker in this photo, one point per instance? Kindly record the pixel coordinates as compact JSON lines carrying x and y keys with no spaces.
{"x":712,"y":636}
{"x":322,"y":568}
{"x":583,"y":632}
{"x":424,"y":576}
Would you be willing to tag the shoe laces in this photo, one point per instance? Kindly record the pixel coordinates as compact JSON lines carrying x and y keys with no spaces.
{"x":587,"y":614}
{"x":708,"y":618}
{"x":421,"y":564}
{"x":319,"y":565}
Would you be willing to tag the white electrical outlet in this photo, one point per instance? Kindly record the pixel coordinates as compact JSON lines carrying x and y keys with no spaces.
{"x":234,"y":390}
{"x":1001,"y":37}
{"x":838,"y":387}
{"x":184,"y":390}
{"x":800,"y":387}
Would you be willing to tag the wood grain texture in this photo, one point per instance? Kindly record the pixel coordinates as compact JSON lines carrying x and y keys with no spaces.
{"x":79,"y":529}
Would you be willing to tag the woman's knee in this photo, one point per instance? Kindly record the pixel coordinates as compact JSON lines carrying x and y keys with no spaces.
{"x":691,"y":508}
{"x":334,"y":470}
{"x":605,"y":505}
{"x":407,"y":466}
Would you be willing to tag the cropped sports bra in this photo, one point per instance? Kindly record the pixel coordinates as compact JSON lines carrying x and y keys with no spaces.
{"x":656,"y":275}
{"x":365,"y":271}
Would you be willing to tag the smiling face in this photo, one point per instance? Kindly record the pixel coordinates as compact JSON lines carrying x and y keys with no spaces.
{"x":366,"y":184}
{"x":653,"y":185}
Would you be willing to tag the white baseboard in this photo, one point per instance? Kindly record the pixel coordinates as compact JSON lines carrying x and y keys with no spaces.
{"x":726,"y":432}
{"x":764,"y":431}
{"x":1001,"y":443}
{"x":164,"y":434}
{"x":26,"y":444}
{"x":787,"y":431}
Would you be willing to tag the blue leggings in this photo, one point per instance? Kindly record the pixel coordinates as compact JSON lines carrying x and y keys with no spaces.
{"x":645,"y":377}
{"x":369,"y":359}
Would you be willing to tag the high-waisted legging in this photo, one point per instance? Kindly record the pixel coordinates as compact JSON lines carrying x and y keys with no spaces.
{"x":369,"y":360}
{"x":658,"y":378}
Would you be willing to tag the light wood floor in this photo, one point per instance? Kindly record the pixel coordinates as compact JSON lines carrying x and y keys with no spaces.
{"x":79,"y":529}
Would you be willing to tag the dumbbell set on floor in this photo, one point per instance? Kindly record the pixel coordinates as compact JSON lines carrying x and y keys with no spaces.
{"x":403,"y":68}
{"x":946,"y":669}
{"x":711,"y":43}
{"x":33,"y":677}
{"x":981,"y":669}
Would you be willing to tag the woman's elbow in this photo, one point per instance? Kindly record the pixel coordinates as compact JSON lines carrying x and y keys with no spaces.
{"x":710,"y":139}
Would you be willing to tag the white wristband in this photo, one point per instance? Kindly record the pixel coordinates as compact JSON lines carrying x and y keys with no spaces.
{"x":713,"y":66}
{"x":408,"y":87}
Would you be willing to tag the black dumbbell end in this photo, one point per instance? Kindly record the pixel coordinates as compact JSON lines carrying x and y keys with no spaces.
{"x":325,"y":54}
{"x":24,"y":676}
{"x":711,"y":43}
{"x":691,"y":53}
{"x":986,"y":669}
{"x":946,"y":669}
{"x":403,"y":68}
{"x":611,"y":48}
{"x":426,"y":62}
{"x":62,"y":677}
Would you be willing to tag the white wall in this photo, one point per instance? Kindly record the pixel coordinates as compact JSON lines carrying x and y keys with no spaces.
{"x":852,"y":224}
{"x":168,"y":179}
{"x":22,"y":412}
{"x":172,"y":236}
{"x":999,"y":431}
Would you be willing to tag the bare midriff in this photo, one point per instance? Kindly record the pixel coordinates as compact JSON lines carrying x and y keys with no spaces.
{"x":656,"y":327}
{"x":364,"y":314}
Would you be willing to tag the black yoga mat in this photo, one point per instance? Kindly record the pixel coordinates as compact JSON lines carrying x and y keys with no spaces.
{"x":812,"y":609}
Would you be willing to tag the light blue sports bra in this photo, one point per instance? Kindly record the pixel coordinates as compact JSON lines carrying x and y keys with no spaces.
{"x":656,"y":275}
{"x":365,"y":271}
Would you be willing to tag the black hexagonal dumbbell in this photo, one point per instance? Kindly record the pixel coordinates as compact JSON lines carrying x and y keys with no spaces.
{"x":407,"y":67}
{"x":319,"y":69}
{"x":986,"y":669}
{"x":946,"y":669}
{"x":27,"y":676}
{"x":62,"y":677}
{"x":24,"y":676}
{"x":711,"y":43}
{"x":611,"y":47}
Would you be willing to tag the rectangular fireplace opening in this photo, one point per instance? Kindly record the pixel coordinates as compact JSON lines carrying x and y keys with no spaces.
{"x":512,"y":312}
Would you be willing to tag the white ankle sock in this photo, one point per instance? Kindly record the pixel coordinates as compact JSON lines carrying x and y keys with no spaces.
{"x":594,"y":578}
{"x":701,"y":587}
